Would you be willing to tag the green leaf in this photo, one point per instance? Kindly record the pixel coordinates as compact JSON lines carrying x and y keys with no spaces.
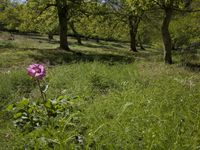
{"x":9,"y":107}
{"x":30,"y":110}
{"x":17,"y":115}
{"x":48,"y":104}
{"x":22,"y":103}
{"x":60,"y":98}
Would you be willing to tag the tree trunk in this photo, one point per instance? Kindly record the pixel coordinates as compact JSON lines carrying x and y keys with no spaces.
{"x":133,"y":26}
{"x":141,"y":46}
{"x":97,"y":39}
{"x":63,"y":22}
{"x":166,"y":36}
{"x":140,"y":43}
{"x":50,"y":36}
{"x":77,"y":36}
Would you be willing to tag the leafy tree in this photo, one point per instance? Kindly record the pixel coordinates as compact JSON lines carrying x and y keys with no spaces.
{"x":35,"y":21}
{"x":169,"y":7}
{"x":130,"y":12}
{"x":63,"y":9}
{"x":184,"y":30}
{"x":9,"y":14}
{"x":144,"y":33}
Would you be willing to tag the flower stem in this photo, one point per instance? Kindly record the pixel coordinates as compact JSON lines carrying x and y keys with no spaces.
{"x":41,"y":92}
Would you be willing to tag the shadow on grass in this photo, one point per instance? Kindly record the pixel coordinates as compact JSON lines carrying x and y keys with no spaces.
{"x":85,"y":43}
{"x":56,"y":56}
{"x":6,"y":45}
{"x":103,"y":46}
{"x":44,"y":39}
{"x":118,"y":45}
{"x":195,"y":67}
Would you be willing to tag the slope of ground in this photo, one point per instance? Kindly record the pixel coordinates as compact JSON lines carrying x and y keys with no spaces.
{"x":130,"y":101}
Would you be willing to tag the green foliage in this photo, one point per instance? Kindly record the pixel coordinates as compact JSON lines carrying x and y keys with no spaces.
{"x":42,"y":16}
{"x":107,"y":27}
{"x":10,"y":14}
{"x":185,"y":30}
{"x":169,"y":3}
{"x":146,"y":31}
{"x":46,"y":123}
{"x":40,"y":20}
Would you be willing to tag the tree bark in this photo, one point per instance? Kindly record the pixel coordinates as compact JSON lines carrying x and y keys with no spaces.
{"x":77,"y":36}
{"x":133,"y":27}
{"x":166,"y":36}
{"x":97,"y":39}
{"x":50,"y":36}
{"x":140,"y":43}
{"x":141,"y":46}
{"x":63,"y":23}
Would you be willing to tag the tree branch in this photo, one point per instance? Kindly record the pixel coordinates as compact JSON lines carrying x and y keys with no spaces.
{"x":47,"y":6}
{"x":161,"y":6}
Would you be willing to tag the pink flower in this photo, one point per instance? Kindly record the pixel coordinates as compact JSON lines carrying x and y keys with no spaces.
{"x":36,"y":71}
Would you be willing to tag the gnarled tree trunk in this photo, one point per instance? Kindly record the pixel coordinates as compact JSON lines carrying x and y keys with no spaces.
{"x":63,"y":22}
{"x":133,"y":27}
{"x":166,"y":36}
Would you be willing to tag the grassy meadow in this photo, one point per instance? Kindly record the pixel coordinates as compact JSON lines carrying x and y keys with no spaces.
{"x":126,"y":100}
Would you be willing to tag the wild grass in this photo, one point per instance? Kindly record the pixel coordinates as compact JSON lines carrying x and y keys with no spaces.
{"x":129,"y":101}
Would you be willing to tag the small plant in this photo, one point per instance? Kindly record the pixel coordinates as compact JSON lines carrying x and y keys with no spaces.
{"x":37,"y":72}
{"x":48,"y":119}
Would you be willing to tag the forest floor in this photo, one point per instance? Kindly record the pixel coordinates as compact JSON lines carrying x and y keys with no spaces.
{"x":129,"y":101}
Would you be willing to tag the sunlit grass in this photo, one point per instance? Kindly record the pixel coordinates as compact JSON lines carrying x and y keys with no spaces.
{"x":129,"y":101}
